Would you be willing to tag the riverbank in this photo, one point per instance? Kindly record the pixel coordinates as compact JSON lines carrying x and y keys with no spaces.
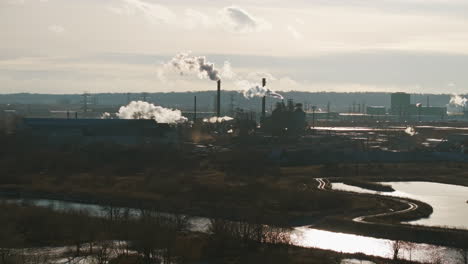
{"x":457,"y":238}
{"x":118,"y":239}
{"x":225,"y":185}
{"x":454,"y":173}
{"x":370,"y":185}
{"x":387,"y":227}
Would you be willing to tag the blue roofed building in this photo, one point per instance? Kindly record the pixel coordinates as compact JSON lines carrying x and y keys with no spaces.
{"x":57,"y":131}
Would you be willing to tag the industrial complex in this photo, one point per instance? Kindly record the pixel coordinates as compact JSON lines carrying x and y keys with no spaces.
{"x":404,"y":126}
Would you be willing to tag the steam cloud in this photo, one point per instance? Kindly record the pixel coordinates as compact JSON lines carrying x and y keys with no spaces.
{"x":185,"y":63}
{"x":215,"y":119}
{"x":251,"y":90}
{"x":411,"y":131}
{"x":144,"y":110}
{"x":458,"y":100}
{"x":106,"y":115}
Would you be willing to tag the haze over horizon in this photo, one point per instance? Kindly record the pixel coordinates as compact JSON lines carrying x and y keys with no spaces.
{"x":63,"y":46}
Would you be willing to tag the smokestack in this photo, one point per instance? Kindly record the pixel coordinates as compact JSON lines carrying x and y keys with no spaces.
{"x":194,"y":108}
{"x":263,"y":100}
{"x":218,"y":101}
{"x":76,"y":115}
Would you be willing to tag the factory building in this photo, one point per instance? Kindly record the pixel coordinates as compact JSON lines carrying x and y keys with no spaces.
{"x":399,"y":104}
{"x":316,"y":116}
{"x":286,"y":120}
{"x":53,"y":131}
{"x":402,"y":109}
{"x":376,"y":110}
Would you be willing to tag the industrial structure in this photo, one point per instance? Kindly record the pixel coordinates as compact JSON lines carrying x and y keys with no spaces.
{"x":286,"y":120}
{"x":60,"y":131}
{"x":402,"y":108}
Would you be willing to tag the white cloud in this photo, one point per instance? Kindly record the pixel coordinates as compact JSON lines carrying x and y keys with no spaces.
{"x":154,"y":13}
{"x":299,"y":21}
{"x":167,"y":27}
{"x":238,"y":20}
{"x":15,"y":2}
{"x":258,"y":75}
{"x":56,"y":29}
{"x":21,"y":2}
{"x":194,"y":19}
{"x":294,"y":33}
{"x":289,"y":83}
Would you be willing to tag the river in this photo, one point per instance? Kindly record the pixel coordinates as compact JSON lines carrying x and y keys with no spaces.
{"x":448,"y":201}
{"x":300,"y":236}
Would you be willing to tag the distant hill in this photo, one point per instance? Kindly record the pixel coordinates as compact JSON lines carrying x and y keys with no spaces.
{"x":184,"y":100}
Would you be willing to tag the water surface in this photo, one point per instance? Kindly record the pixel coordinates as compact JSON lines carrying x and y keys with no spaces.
{"x":303,"y":236}
{"x":448,"y":201}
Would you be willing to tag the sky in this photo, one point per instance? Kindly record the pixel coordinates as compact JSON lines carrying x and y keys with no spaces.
{"x":70,"y":46}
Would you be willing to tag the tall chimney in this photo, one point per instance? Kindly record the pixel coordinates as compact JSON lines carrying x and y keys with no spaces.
{"x":194,"y":108}
{"x":263,"y":100}
{"x":218,"y":101}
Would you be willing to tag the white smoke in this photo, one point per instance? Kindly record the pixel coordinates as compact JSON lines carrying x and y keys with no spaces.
{"x":216,"y":119}
{"x":144,"y":110}
{"x":458,"y":100}
{"x":106,"y":115}
{"x":227,"y":72}
{"x":251,"y":90}
{"x":411,"y":131}
{"x":185,"y":63}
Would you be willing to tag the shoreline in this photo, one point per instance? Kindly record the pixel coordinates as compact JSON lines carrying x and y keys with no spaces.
{"x":388,"y":230}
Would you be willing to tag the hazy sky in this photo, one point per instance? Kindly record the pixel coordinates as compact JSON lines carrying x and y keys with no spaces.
{"x":71,"y":46}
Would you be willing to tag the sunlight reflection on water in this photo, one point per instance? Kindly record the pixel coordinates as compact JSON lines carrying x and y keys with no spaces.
{"x":300,"y":236}
{"x":448,"y":201}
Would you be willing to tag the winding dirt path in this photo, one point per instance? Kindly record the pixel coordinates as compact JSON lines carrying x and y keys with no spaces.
{"x":322,"y":184}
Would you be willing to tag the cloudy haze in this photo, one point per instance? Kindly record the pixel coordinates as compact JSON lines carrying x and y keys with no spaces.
{"x":65,"y":46}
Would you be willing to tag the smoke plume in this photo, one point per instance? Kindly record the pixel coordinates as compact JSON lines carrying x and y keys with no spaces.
{"x":215,"y":119}
{"x":411,"y":131}
{"x":184,"y":63}
{"x":458,"y":100}
{"x":106,"y":115}
{"x":251,"y":90}
{"x":144,"y":110}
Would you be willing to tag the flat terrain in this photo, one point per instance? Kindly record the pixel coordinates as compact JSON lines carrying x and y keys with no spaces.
{"x":240,"y":184}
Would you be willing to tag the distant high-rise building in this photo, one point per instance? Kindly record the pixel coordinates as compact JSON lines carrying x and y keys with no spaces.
{"x":400,"y":102}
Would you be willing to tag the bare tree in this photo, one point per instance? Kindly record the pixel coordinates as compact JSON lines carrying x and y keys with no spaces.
{"x":103,"y":252}
{"x":9,"y":239}
{"x":409,"y":247}
{"x":463,"y":255}
{"x":396,"y":247}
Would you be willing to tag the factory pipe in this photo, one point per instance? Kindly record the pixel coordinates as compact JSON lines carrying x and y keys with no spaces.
{"x":194,"y":108}
{"x":218,"y":101}
{"x":263,"y":100}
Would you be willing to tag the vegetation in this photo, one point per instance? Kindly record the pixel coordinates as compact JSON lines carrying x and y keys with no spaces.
{"x":215,"y":184}
{"x":242,"y":184}
{"x":149,"y":238}
{"x":457,"y":238}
